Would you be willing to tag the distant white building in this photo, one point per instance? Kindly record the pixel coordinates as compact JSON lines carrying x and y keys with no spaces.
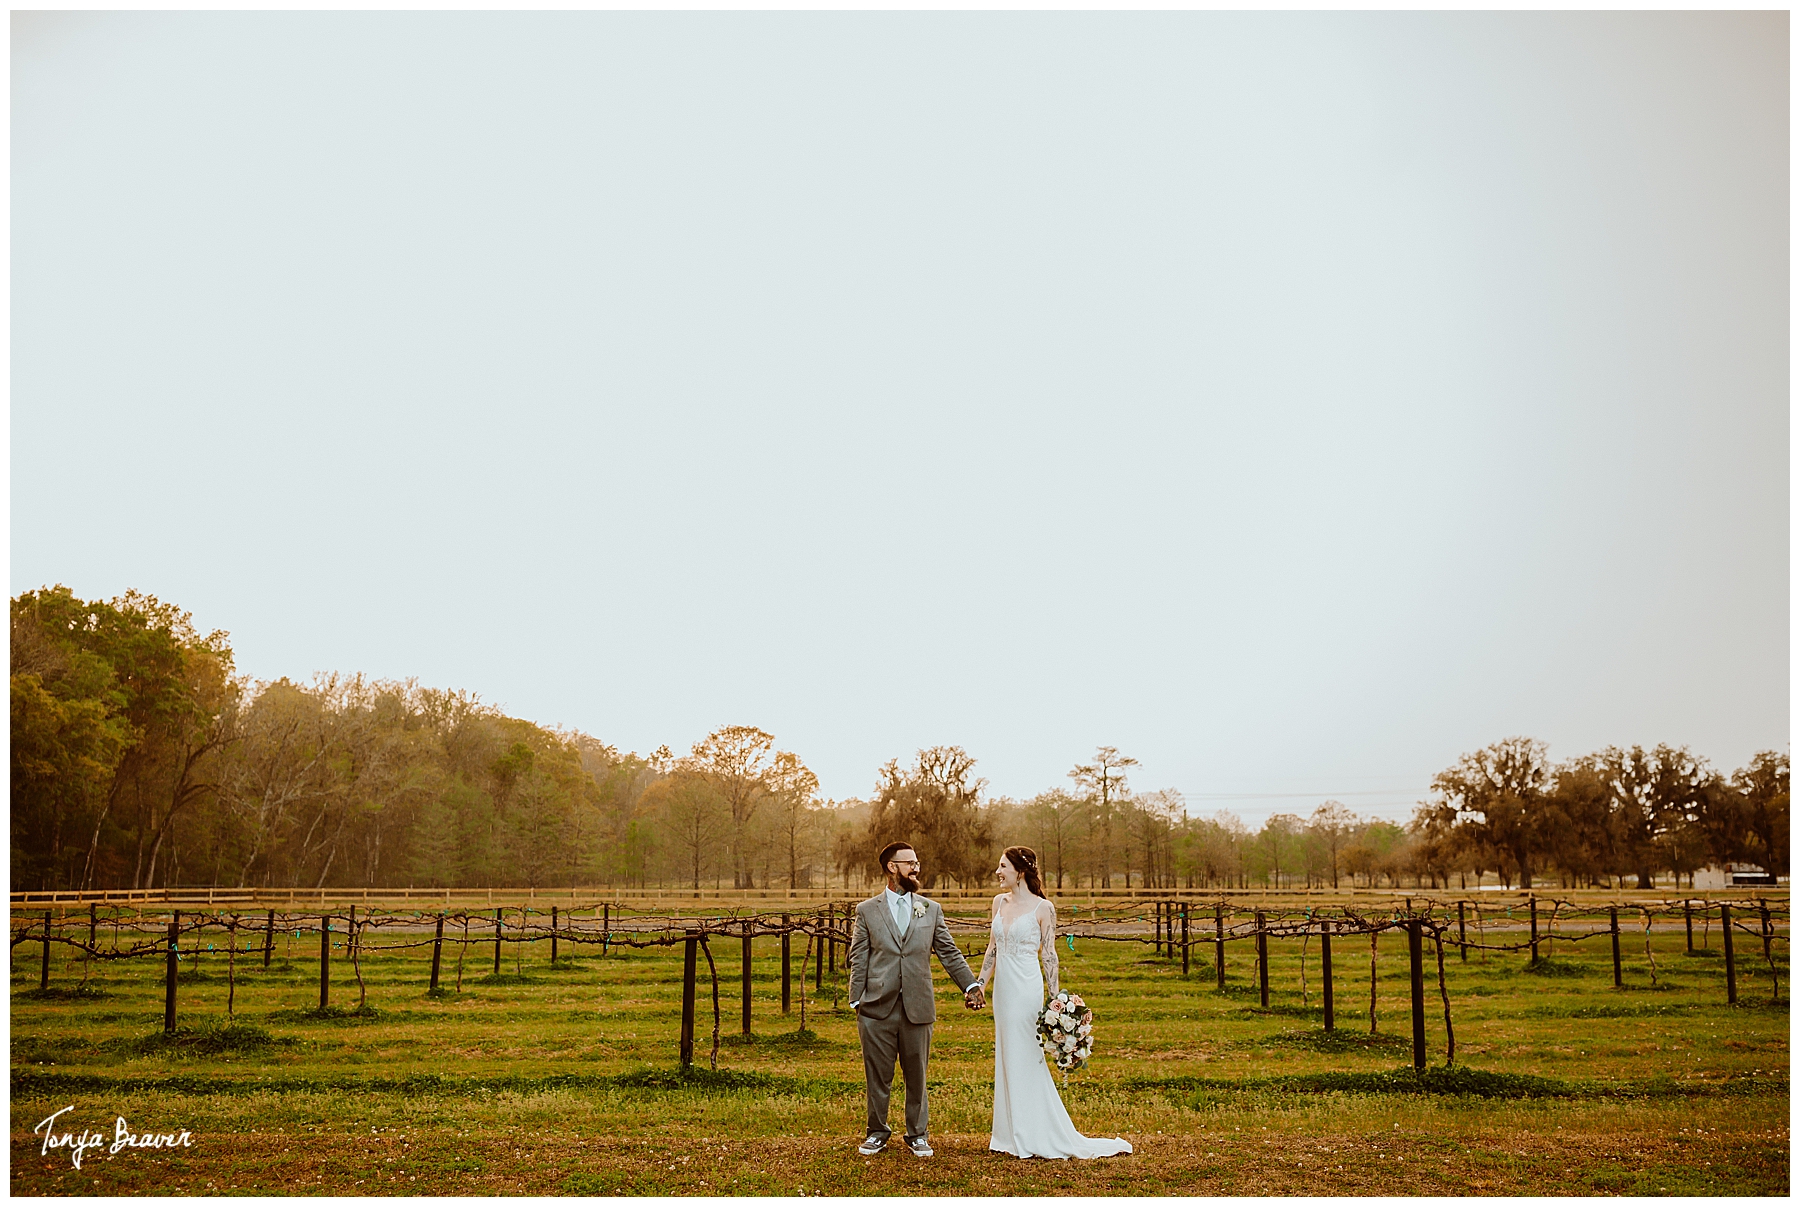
{"x":1736,"y":875}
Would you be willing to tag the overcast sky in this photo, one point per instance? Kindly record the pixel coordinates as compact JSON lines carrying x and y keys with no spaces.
{"x":1293,"y":401}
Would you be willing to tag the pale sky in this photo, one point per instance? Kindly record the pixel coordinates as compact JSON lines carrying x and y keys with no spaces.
{"x":1294,"y":401}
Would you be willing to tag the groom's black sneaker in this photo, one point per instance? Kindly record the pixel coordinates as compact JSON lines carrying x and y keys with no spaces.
{"x":921,"y":1147}
{"x":872,"y":1145}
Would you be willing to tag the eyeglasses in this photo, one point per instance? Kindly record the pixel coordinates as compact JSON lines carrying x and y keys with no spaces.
{"x":904,"y":863}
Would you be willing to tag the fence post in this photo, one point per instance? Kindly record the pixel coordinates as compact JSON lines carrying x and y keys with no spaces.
{"x":1730,"y":956}
{"x":269,"y":940}
{"x":1534,"y":930}
{"x":687,"y":1000}
{"x":1262,"y":959}
{"x":553,"y":921}
{"x":1219,"y":941}
{"x":747,"y":927}
{"x":499,"y":921}
{"x":787,"y":965}
{"x":1462,"y":932}
{"x":1184,"y":938}
{"x":437,"y":952}
{"x":169,"y":976}
{"x":1417,"y":958}
{"x":1619,"y":968}
{"x":324,"y":962}
{"x":44,"y":976}
{"x":1688,"y":907}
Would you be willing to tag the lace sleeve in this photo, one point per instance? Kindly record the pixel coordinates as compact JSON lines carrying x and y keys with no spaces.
{"x":1047,"y":945}
{"x":987,"y":961}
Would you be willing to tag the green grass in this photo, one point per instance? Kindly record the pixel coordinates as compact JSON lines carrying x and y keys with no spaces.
{"x":564,"y":1081}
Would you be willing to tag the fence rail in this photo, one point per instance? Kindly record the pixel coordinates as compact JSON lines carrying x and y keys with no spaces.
{"x":225,"y":895}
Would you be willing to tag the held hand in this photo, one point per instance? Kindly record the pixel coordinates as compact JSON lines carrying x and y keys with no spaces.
{"x":974,"y":998}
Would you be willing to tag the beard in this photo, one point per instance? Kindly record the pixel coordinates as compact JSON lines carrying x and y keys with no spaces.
{"x":908,"y":884}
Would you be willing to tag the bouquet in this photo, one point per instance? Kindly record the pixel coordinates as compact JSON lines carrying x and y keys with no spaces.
{"x":1066,"y":1031}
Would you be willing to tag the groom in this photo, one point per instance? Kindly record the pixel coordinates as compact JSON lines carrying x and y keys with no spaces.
{"x":890,"y":990}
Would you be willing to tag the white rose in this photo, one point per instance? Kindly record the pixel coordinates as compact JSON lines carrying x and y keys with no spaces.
{"x":1069,"y":1044}
{"x":1068,"y":1022}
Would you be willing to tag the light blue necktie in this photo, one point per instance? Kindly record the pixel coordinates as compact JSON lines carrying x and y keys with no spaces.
{"x":901,"y":913}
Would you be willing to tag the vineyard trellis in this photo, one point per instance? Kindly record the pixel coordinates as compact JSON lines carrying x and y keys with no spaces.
{"x":611,"y":925}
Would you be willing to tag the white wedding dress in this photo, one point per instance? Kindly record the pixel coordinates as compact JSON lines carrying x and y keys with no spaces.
{"x":1029,"y":1117}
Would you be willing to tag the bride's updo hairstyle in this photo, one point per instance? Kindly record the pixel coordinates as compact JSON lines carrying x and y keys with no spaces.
{"x":1024,"y":861}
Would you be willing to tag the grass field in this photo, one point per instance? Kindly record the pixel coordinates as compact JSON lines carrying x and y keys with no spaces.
{"x":565,"y":1081}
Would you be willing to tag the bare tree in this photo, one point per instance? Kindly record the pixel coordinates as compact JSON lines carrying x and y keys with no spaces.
{"x":1153,"y":818}
{"x":737,"y":761}
{"x":690,"y":810}
{"x":1333,"y":824}
{"x":1104,"y":781}
{"x":796,"y":793}
{"x":1053,"y":816}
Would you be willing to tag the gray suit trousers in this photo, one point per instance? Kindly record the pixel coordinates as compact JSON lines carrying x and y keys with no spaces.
{"x":883,"y":1041}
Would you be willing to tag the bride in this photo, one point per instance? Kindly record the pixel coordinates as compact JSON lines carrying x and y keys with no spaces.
{"x":1029,"y":1117}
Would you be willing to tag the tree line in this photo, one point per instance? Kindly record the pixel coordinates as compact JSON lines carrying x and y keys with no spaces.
{"x":140,"y":759}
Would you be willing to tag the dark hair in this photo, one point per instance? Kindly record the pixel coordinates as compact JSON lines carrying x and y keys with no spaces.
{"x":887,"y":852}
{"x":1024,"y":861}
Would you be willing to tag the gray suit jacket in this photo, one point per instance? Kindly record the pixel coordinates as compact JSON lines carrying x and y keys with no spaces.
{"x":886,"y":968}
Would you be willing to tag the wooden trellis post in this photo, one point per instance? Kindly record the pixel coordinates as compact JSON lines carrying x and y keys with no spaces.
{"x":1262,"y":959}
{"x":1325,"y":971}
{"x":1156,"y":927}
{"x":44,"y":976}
{"x":687,"y":1000}
{"x":1619,"y":968}
{"x":93,"y":924}
{"x":169,"y":975}
{"x":1219,"y":942}
{"x":1462,"y":932}
{"x":1184,"y":938}
{"x":553,"y":921}
{"x":1534,"y":930}
{"x":1416,"y":957}
{"x":499,"y":921}
{"x":269,"y":939}
{"x":787,"y":967}
{"x":1688,"y":908}
{"x":1730,"y":955}
{"x":746,"y":976}
{"x":819,"y":964}
{"x":1768,"y":932}
{"x":605,"y":928}
{"x":1374,"y":947}
{"x":437,"y":952}
{"x":324,"y":962}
